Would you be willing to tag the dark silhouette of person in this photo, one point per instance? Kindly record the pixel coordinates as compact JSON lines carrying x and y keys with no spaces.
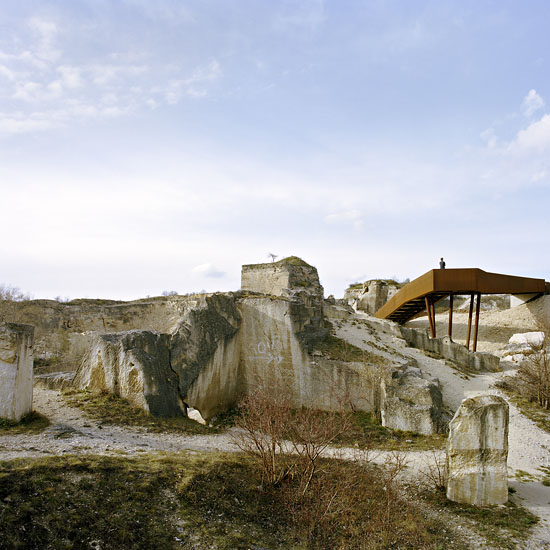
{"x":442,"y":264}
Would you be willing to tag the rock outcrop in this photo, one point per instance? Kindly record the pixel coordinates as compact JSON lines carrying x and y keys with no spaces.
{"x":16,"y":370}
{"x":215,"y":348}
{"x":136,"y":366}
{"x":477,"y":451}
{"x":411,"y":403}
{"x":370,"y":296}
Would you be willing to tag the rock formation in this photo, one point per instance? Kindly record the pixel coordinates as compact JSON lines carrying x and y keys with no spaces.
{"x":411,"y":403}
{"x":205,"y":351}
{"x":477,"y":451}
{"x":136,"y":366}
{"x":16,"y":370}
{"x":370,"y":296}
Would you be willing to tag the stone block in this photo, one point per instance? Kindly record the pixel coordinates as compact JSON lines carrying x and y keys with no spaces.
{"x":16,"y":370}
{"x":477,"y":452}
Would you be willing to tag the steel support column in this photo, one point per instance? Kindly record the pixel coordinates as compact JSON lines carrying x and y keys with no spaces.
{"x":478,"y":304}
{"x":470,"y":321}
{"x":430,"y":318}
{"x":451,"y":315}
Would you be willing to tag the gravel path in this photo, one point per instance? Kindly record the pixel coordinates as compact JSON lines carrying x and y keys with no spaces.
{"x":72,"y":432}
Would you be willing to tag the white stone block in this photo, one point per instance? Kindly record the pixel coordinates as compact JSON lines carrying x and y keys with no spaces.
{"x":477,"y":452}
{"x":16,"y":370}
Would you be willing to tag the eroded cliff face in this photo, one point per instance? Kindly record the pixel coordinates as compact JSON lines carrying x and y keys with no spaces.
{"x":65,"y":331}
{"x":136,"y":366}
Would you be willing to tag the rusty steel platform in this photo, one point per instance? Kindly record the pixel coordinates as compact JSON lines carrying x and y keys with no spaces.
{"x":425,"y":291}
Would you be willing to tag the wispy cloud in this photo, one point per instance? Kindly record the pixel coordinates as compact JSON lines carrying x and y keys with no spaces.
{"x":44,"y":87}
{"x":209,"y":270}
{"x":347,"y":217}
{"x":536,"y":137}
{"x":532,"y":102}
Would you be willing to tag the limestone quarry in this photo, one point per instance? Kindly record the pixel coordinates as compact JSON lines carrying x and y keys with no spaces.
{"x":203,"y":352}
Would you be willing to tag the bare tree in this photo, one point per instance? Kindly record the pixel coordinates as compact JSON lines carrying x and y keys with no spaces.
{"x":534,"y":372}
{"x":9,"y":295}
{"x":272,"y":256}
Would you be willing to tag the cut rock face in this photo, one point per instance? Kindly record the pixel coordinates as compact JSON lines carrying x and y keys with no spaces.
{"x":477,"y":451}
{"x":16,"y":370}
{"x":136,"y":366}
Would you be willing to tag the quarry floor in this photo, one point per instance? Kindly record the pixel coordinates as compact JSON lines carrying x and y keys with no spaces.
{"x":72,"y":432}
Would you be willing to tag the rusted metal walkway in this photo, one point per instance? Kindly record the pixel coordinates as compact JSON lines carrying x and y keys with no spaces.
{"x":424,"y":292}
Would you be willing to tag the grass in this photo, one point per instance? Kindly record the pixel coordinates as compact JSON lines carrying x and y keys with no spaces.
{"x":112,"y":409}
{"x":32,"y":423}
{"x":502,"y":526}
{"x":546,"y":475}
{"x":368,"y":433}
{"x":338,"y":349}
{"x":198,"y":501}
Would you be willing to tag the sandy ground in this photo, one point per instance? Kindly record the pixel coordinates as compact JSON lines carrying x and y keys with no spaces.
{"x":72,"y":432}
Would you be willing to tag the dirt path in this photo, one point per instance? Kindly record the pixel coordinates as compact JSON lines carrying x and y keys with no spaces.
{"x":71,"y":432}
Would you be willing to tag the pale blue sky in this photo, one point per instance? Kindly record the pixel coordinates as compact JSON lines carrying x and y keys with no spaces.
{"x":149,"y":146}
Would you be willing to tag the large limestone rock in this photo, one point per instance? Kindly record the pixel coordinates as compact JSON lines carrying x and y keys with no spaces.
{"x":370,"y":296}
{"x":205,"y":354}
{"x":477,"y":451}
{"x":136,"y":366}
{"x":411,"y":403}
{"x":16,"y":370}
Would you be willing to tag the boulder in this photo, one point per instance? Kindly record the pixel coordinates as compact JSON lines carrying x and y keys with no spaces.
{"x":136,"y":366}
{"x":477,"y":451}
{"x":411,"y":403}
{"x":16,"y":370}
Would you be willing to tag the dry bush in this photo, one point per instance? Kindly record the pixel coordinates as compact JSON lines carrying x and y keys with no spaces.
{"x":333,"y":503}
{"x":434,"y":471}
{"x":9,"y":295}
{"x":311,"y":435}
{"x":263,"y":422}
{"x":534,"y":373}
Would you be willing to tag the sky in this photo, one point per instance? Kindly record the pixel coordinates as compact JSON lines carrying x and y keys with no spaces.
{"x":150,"y":146}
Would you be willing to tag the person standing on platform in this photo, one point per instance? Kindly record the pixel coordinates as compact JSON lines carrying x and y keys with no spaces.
{"x":442,"y":264}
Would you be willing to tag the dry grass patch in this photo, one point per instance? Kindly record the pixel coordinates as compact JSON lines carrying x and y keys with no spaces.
{"x":108,"y":408}
{"x":504,"y":527}
{"x":32,"y":423}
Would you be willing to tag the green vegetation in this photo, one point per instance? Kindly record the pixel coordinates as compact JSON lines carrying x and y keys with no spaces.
{"x":293,"y":260}
{"x":30,"y":424}
{"x":290,"y":260}
{"x":502,"y":526}
{"x":546,"y":475}
{"x":338,"y":349}
{"x":203,"y":501}
{"x":368,"y":433}
{"x":112,"y":409}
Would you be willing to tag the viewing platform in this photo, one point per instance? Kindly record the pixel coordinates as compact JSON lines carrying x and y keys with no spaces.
{"x":424,"y":292}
